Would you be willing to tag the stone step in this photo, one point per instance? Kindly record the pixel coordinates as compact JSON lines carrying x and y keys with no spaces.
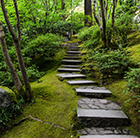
{"x":70,"y":76}
{"x":92,"y":103}
{"x":68,"y":70}
{"x":73,"y":49}
{"x":72,"y":57}
{"x":104,"y":131}
{"x":81,"y":82}
{"x":73,"y":52}
{"x":93,"y":93}
{"x":102,"y":118}
{"x":70,"y":66}
{"x":108,"y":136}
{"x":71,"y":61}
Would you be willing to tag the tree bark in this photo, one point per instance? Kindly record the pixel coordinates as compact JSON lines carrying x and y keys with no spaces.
{"x":103,"y":22}
{"x":95,"y":16}
{"x":8,"y":61}
{"x":16,"y":41}
{"x":62,"y":5}
{"x":88,"y":12}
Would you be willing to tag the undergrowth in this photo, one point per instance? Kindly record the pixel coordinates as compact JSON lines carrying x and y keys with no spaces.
{"x":55,"y":102}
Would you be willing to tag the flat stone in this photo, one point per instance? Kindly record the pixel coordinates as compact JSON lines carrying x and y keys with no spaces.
{"x":81,"y":82}
{"x":71,"y":66}
{"x":73,"y":52}
{"x":102,"y":118}
{"x":101,"y":113}
{"x":75,"y":55}
{"x":93,"y":92}
{"x":68,"y":70}
{"x":72,"y":57}
{"x":69,"y":76}
{"x":108,"y":136}
{"x":104,"y":131}
{"x":71,"y":61}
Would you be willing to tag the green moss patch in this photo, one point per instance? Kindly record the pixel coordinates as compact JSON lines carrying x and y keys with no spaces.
{"x":54,"y":103}
{"x":10,"y":93}
{"x":135,"y":52}
{"x":130,"y":108}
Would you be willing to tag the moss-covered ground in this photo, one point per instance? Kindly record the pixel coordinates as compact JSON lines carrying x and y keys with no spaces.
{"x":55,"y":102}
{"x":131,"y":107}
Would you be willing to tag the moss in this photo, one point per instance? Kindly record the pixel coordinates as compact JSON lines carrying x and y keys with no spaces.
{"x":54,"y":103}
{"x":130,"y":108}
{"x":10,"y":93}
{"x":135,"y":52}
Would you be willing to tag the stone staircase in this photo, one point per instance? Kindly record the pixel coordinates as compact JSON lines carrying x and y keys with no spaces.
{"x":102,"y":118}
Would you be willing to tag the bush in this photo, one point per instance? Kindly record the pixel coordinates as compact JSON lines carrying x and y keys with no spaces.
{"x":43,"y":46}
{"x":91,"y":37}
{"x":9,"y":113}
{"x":122,"y":27}
{"x":110,"y":64}
{"x":133,"y":83}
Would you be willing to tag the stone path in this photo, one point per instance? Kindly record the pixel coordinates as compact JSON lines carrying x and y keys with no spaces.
{"x":102,"y":118}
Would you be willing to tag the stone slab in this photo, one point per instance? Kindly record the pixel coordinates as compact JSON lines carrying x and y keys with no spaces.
{"x":71,"y":66}
{"x":73,"y":52}
{"x":68,"y":76}
{"x":73,"y":49}
{"x":68,"y":70}
{"x":93,"y":92}
{"x":72,"y":57}
{"x":81,"y":82}
{"x":101,"y":113}
{"x":71,"y":61}
{"x":102,"y":118}
{"x":76,"y":55}
{"x":91,"y":103}
{"x":108,"y":136}
{"x":104,"y":131}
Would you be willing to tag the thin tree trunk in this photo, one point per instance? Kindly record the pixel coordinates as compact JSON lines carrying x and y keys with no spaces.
{"x":95,"y":16}
{"x":9,"y":63}
{"x":18,"y":48}
{"x":104,"y":23}
{"x":88,"y":12}
{"x":62,"y":5}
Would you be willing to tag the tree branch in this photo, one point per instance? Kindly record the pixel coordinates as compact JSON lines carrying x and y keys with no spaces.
{"x":95,"y":16}
{"x":46,"y":122}
{"x":110,"y":10}
{"x":7,"y":20}
{"x":18,"y":19}
{"x":113,"y":13}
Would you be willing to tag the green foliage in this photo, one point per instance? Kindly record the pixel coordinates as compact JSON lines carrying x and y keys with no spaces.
{"x":43,"y":46}
{"x":110,"y":64}
{"x":123,"y":9}
{"x":10,"y":112}
{"x":123,"y":26}
{"x":91,"y":37}
{"x":133,"y":83}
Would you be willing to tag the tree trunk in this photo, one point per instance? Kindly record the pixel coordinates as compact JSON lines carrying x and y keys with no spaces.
{"x":16,"y":41}
{"x":88,"y":12}
{"x":62,"y":5}
{"x":8,"y":61}
{"x":104,"y":23}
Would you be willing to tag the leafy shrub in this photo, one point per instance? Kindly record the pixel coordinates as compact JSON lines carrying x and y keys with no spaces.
{"x":10,"y":112}
{"x":109,"y":63}
{"x":43,"y":46}
{"x":125,"y":9}
{"x":62,"y":27}
{"x":133,"y":83}
{"x":122,"y":27}
{"x":91,"y":37}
